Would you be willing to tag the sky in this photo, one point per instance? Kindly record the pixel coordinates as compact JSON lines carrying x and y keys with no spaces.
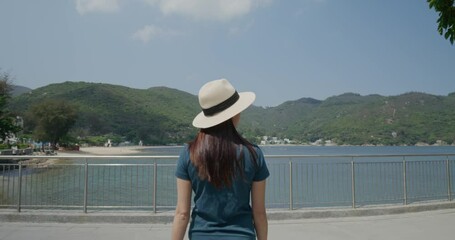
{"x":282,"y":50}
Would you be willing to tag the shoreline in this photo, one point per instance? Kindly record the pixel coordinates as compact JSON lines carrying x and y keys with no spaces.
{"x":126,"y":150}
{"x":135,"y":150}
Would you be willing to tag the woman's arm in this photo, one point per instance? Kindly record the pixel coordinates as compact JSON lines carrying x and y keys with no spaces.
{"x":258,"y":206}
{"x":182,"y":211}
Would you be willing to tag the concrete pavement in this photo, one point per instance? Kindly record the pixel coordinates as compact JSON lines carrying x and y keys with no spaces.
{"x":435,"y":225}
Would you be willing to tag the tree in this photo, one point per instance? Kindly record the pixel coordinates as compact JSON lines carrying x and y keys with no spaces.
{"x":53,"y":119}
{"x":7,"y":121}
{"x":446,"y":20}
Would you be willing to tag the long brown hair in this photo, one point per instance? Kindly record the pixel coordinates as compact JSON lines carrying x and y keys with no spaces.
{"x":215,"y":154}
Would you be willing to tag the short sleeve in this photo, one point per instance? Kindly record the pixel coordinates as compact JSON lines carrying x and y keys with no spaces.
{"x":182,"y":165}
{"x":262,"y":171}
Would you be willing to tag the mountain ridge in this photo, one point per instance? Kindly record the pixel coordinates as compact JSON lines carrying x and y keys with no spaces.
{"x":162,"y":115}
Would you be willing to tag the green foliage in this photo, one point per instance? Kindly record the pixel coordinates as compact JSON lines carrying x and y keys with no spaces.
{"x":53,"y":119}
{"x":7,"y":120}
{"x":446,"y":20}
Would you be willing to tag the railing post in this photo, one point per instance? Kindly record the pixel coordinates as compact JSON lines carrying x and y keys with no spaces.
{"x":85,"y":185}
{"x":19,"y":192}
{"x":353,"y":182}
{"x":155,"y":170}
{"x":449,"y":180}
{"x":405,"y":187}
{"x":291,"y":204}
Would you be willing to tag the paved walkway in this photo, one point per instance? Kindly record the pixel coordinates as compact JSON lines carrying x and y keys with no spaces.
{"x":435,"y":225}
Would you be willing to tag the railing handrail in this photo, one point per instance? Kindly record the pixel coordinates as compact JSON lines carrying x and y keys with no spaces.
{"x":287,"y":174}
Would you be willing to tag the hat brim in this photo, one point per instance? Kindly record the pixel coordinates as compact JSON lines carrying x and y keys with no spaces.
{"x":245,"y":100}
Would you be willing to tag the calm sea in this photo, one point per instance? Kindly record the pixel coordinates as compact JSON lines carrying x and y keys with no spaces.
{"x":326,"y":150}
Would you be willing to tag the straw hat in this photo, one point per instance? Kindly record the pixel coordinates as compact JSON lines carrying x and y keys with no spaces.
{"x":219,"y":102}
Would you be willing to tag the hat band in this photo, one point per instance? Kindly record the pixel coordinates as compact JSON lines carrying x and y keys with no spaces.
{"x":222,"y":106}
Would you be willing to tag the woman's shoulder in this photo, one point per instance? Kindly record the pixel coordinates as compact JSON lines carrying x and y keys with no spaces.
{"x":185,"y":148}
{"x":257,"y":148}
{"x":185,"y":153}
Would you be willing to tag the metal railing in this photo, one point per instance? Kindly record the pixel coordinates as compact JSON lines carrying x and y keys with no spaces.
{"x":297,"y":181}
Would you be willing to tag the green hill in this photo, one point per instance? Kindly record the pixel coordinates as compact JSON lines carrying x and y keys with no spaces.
{"x":162,"y":115}
{"x":349,"y":118}
{"x":157,"y":115}
{"x":18,"y":90}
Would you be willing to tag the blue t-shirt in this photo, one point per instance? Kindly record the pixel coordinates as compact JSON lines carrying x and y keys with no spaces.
{"x":222,"y":213}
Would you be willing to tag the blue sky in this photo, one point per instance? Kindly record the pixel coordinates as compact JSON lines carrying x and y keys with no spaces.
{"x":282,"y":50}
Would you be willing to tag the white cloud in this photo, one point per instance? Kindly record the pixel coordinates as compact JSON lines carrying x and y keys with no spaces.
{"x":149,"y":32}
{"x":221,"y":10}
{"x":86,"y":6}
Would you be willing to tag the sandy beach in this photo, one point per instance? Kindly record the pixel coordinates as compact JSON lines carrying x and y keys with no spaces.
{"x":104,"y":150}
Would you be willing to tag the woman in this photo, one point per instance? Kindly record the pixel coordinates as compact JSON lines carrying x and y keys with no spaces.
{"x":224,"y":170}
